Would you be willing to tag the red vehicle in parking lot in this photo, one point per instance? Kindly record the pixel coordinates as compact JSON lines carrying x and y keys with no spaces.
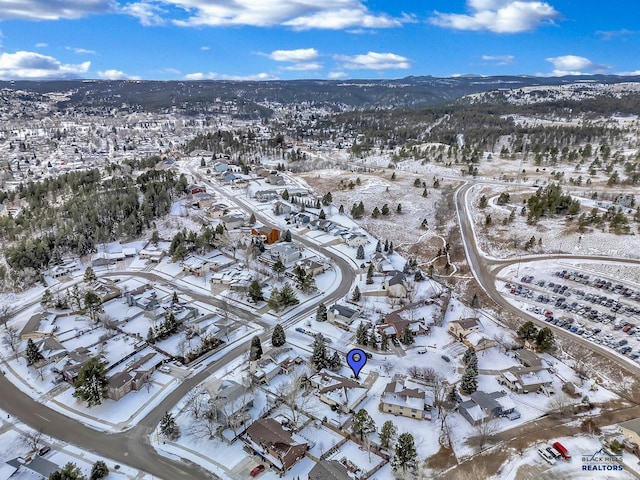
{"x":257,"y":470}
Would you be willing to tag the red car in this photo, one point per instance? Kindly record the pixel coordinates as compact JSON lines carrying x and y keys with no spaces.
{"x":257,"y":471}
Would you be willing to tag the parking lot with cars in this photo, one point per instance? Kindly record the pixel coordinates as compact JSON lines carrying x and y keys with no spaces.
{"x":606,"y":312}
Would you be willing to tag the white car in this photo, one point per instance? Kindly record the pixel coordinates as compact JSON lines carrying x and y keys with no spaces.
{"x":547,"y":456}
{"x":165,"y":369}
{"x":422,"y":351}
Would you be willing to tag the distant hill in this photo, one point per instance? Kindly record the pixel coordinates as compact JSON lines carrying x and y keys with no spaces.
{"x":252,"y":99}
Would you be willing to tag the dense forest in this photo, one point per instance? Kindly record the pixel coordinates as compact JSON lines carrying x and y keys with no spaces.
{"x":73,"y":213}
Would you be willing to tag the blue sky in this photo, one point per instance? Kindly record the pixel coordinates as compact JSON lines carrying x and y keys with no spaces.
{"x":292,"y":39}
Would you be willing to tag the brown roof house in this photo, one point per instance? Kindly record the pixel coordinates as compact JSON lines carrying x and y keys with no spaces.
{"x":406,"y":399}
{"x":338,"y":391}
{"x":394,"y":325}
{"x":269,"y":440}
{"x":463,"y":327}
{"x":329,"y":470}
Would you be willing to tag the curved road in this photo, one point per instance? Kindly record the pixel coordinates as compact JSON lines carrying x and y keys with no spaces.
{"x":484,"y":270}
{"x":132,"y":447}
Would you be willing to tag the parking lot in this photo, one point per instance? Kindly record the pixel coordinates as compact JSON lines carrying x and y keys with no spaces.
{"x":605,"y":312}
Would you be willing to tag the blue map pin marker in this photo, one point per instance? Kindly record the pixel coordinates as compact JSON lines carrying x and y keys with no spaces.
{"x":356,"y":359}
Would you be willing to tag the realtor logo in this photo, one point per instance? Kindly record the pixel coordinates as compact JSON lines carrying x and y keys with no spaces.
{"x":602,"y":461}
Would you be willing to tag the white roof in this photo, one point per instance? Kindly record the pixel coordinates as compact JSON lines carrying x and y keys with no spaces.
{"x":476,"y":413}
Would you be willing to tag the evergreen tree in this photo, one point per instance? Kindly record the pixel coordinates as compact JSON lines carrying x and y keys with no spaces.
{"x":69,"y":472}
{"x":375,"y":213}
{"x":405,"y":455}
{"x":399,"y":208}
{"x":174,"y":298}
{"x":255,"y":292}
{"x":92,"y":385}
{"x":363,"y":424}
{"x":475,"y":303}
{"x":385,"y":209}
{"x":319,"y":356}
{"x":287,"y":236}
{"x":89,"y":275}
{"x":378,"y":247}
{"x":278,"y":337}
{"x":356,"y":294}
{"x":545,"y":340}
{"x":341,"y":210}
{"x":425,"y":193}
{"x":285,"y":194}
{"x":321,"y":313}
{"x":528,"y":331}
{"x":386,"y":245}
{"x":469,"y":381}
{"x":393,"y":176}
{"x":47,"y":298}
{"x":335,"y":362}
{"x":407,"y":336}
{"x":168,"y":427}
{"x":322,"y":215}
{"x":418,"y":277}
{"x":470,"y":358}
{"x":255,"y":352}
{"x":279,"y":268}
{"x":155,"y":238}
{"x":373,"y":339}
{"x":99,"y":470}
{"x":32,"y":353}
{"x":388,"y":433}
{"x":384,"y":341}
{"x":151,"y":338}
{"x":390,"y":248}
{"x":362,"y":336}
{"x":275,"y":300}
{"x":288,"y":297}
{"x":452,"y":396}
{"x":370,"y":274}
{"x":360,"y":252}
{"x":93,"y":305}
{"x":483,"y":202}
{"x":252,"y":219}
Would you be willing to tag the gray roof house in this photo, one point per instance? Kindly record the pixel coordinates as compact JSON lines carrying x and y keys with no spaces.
{"x":329,"y":470}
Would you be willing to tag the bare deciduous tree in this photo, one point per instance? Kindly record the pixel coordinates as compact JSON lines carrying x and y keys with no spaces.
{"x":197,"y":401}
{"x":484,"y":433}
{"x":11,"y":338}
{"x":32,"y":440}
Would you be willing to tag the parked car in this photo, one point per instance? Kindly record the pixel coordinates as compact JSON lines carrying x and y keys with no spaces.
{"x":257,"y":470}
{"x":44,"y":450}
{"x":445,"y":358}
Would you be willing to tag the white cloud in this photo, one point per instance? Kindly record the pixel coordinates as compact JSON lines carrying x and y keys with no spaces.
{"x":172,"y":71}
{"x":609,"y":34}
{"x":42,"y":45}
{"x":31,"y":65}
{"x":302,"y":67}
{"x":81,"y":51}
{"x":499,"y":16}
{"x":297,"y":14}
{"x":337,"y":75}
{"x":499,"y":59}
{"x":222,"y":76}
{"x":204,"y":48}
{"x":113,"y":74}
{"x":53,"y":10}
{"x":575,"y":65}
{"x":147,"y":12}
{"x":373,"y":61}
{"x":297,"y":55}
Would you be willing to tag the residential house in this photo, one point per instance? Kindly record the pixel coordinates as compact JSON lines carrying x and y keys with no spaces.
{"x":341,"y":315}
{"x":529,"y":358}
{"x":274,"y":362}
{"x":40,"y":325}
{"x":525,"y":379}
{"x":268,"y":235}
{"x":51,"y":349}
{"x":338,"y":391}
{"x":311,"y":266}
{"x":193,"y":189}
{"x":119,"y":385}
{"x":484,"y":406}
{"x":202,"y":200}
{"x":266,"y":195}
{"x":38,"y":468}
{"x":394,"y":325}
{"x":478,"y":341}
{"x":286,"y":252}
{"x":356,"y":239}
{"x":329,"y":470}
{"x":216,"y":211}
{"x":463,"y":327}
{"x":381,"y":263}
{"x":198,"y":265}
{"x":268,"y":439}
{"x":151,"y":253}
{"x":397,"y":285}
{"x":135,"y":375}
{"x":231,"y":222}
{"x":280,"y":208}
{"x":230,"y":401}
{"x":406,"y":399}
{"x":275,"y":179}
